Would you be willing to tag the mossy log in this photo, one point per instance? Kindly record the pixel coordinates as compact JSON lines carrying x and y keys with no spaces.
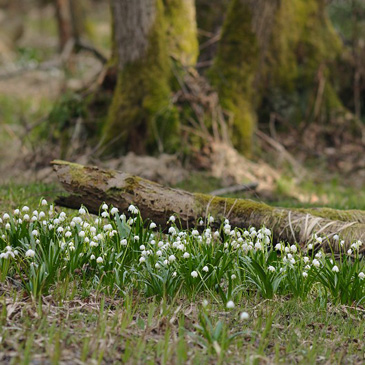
{"x":91,"y":186}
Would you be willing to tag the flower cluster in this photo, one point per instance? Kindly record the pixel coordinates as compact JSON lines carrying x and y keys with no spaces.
{"x":118,"y":251}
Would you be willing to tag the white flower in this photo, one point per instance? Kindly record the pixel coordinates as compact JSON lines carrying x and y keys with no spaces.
{"x":271,"y":268}
{"x":166,"y":262}
{"x":205,"y":303}
{"x":172,"y":219}
{"x":293,"y":248}
{"x":41,"y":215}
{"x":6,"y":216}
{"x":82,"y":211}
{"x":230,"y":304}
{"x":30,"y":253}
{"x":25,"y":209}
{"x":195,"y":232}
{"x":201,"y":222}
{"x":44,"y":202}
{"x":194,"y":274}
{"x":35,"y":232}
{"x":211,"y":219}
{"x":172,"y":258}
{"x":349,"y":252}
{"x":153,"y":225}
{"x":172,"y":231}
{"x":335,"y":268}
{"x":186,"y":255}
{"x":287,"y":249}
{"x":26,"y":217}
{"x":92,"y":257}
{"x":305,"y":274}
{"x":278,"y":247}
{"x":104,"y":207}
{"x":114,"y":211}
{"x":105,"y":214}
{"x":142,"y":259}
{"x":316,"y":263}
{"x":306,"y":259}
{"x":159,"y":253}
{"x":108,"y":227}
{"x":81,"y":234}
{"x":99,"y":260}
{"x":136,"y":238}
{"x":310,"y":246}
{"x":336,"y":237}
{"x":60,"y":229}
{"x":16,"y":212}
{"x":205,"y":268}
{"x":361,"y":275}
{"x":157,"y":266}
{"x":233,"y":276}
{"x":244,"y":316}
{"x":94,"y":244}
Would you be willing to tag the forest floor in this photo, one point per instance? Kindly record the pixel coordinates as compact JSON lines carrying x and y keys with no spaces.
{"x":74,"y":325}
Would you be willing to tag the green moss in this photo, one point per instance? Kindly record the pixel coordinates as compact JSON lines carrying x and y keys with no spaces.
{"x":182,"y":31}
{"x":141,"y":117}
{"x":233,"y":73}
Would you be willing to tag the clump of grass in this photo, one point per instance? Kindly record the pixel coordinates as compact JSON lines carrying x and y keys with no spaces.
{"x":115,"y":252}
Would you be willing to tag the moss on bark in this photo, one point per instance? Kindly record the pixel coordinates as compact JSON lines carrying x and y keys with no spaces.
{"x":233,"y":73}
{"x":141,"y":116}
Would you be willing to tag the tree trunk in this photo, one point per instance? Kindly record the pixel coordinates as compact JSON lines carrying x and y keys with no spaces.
{"x":141,"y":117}
{"x":91,"y":186}
{"x":276,"y":56}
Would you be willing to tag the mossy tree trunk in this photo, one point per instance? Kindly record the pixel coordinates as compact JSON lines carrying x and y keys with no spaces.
{"x":141,"y":116}
{"x":276,"y":56}
{"x":92,"y":186}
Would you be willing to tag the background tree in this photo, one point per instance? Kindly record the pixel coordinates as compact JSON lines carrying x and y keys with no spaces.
{"x":145,"y":34}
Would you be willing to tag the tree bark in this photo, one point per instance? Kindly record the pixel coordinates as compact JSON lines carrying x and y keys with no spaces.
{"x":141,"y":117}
{"x":91,"y":186}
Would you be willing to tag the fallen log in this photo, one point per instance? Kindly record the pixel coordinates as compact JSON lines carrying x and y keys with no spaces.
{"x":91,"y":186}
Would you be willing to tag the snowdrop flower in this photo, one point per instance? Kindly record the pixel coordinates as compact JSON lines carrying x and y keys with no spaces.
{"x":123,"y":242}
{"x":233,"y":276}
{"x":211,"y":219}
{"x":30,"y":253}
{"x":153,"y":225}
{"x":114,"y":211}
{"x":60,"y":229}
{"x":94,"y":244}
{"x":278,"y":247}
{"x":205,"y":268}
{"x":16,"y":212}
{"x":44,"y":202}
{"x":335,"y":268}
{"x":157,"y":265}
{"x":292,"y":261}
{"x":349,"y":251}
{"x":172,"y":258}
{"x":342,"y":243}
{"x":287,"y":249}
{"x":205,"y":303}
{"x":271,"y":268}
{"x":293,"y":248}
{"x":361,"y":275}
{"x":81,"y":234}
{"x":305,"y":274}
{"x":318,"y":255}
{"x":336,"y":237}
{"x":105,"y":214}
{"x":136,"y":238}
{"x":6,"y":216}
{"x":25,"y":209}
{"x":142,"y":260}
{"x":34,"y":219}
{"x":186,"y":255}
{"x":316,"y":263}
{"x":50,"y":227}
{"x":142,"y":247}
{"x":92,"y":257}
{"x":172,"y":231}
{"x":41,"y":215}
{"x":104,"y":207}
{"x":201,"y":222}
{"x":35,"y":232}
{"x":244,"y":316}
{"x":310,"y":246}
{"x":7,"y":226}
{"x":307,"y":267}
{"x":305,"y":259}
{"x":195,"y":232}
{"x":230,"y":304}
{"x":82,"y":211}
{"x":99,"y":260}
{"x":194,"y":274}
